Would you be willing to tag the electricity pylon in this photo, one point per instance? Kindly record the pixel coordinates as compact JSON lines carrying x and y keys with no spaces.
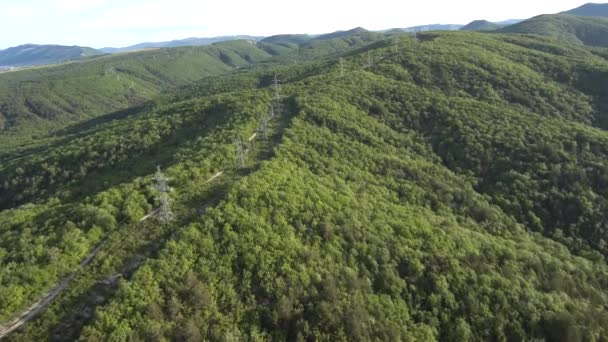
{"x":277,"y":93}
{"x":276,"y":108}
{"x":240,"y":153}
{"x":264,"y":127}
{"x":165,"y":215}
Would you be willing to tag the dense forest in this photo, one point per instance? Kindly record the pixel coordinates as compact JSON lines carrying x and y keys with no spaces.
{"x":591,"y":31}
{"x":449,"y":186}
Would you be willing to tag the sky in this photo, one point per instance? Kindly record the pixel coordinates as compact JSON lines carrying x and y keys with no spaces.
{"x":118,"y":23}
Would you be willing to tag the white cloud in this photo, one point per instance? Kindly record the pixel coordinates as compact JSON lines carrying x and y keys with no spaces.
{"x":151,"y":15}
{"x":19,"y":12}
{"x":79,"y":5}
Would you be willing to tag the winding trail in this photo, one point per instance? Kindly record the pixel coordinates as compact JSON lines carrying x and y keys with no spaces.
{"x":215,"y":176}
{"x":149,"y":215}
{"x":36,"y":308}
{"x":33,"y":310}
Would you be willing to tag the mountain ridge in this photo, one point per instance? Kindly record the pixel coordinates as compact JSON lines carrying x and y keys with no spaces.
{"x":481,"y":25}
{"x":192,"y":41}
{"x":590,"y":9}
{"x":34,"y":54}
{"x":422,"y":28}
{"x":592,"y":31}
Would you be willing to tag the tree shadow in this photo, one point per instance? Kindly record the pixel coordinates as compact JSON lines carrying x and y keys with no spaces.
{"x":74,"y":131}
{"x":82,"y":128}
{"x":139,"y":163}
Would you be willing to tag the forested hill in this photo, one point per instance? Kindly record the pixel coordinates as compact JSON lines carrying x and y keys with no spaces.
{"x":590,"y":10}
{"x":30,"y":54}
{"x":84,"y":89}
{"x":570,"y":28}
{"x":55,"y":96}
{"x":447,"y":187}
{"x":481,"y":25}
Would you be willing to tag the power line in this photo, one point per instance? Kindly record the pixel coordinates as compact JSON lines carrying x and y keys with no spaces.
{"x":264,"y":127}
{"x":240,"y":155}
{"x":276,"y":108}
{"x":165,"y":215}
{"x":277,"y":92}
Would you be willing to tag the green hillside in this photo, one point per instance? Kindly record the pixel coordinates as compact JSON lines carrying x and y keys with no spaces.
{"x":288,"y":38}
{"x":99,"y":85}
{"x":590,"y":10}
{"x":53,"y":97}
{"x":570,"y":28}
{"x":342,"y":34}
{"x":480,"y":25}
{"x":453,"y":190}
{"x":29,"y":55}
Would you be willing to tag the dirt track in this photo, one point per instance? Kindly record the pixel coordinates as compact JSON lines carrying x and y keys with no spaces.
{"x":33,"y":310}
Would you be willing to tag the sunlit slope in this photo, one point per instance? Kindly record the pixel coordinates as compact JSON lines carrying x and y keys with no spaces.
{"x":45,"y":100}
{"x":446,"y":188}
{"x":364,"y":218}
{"x":103,"y":84}
{"x":592,"y":31}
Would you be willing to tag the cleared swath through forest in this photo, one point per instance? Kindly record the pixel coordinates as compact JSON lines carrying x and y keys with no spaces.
{"x":33,"y":310}
{"x":37,"y":307}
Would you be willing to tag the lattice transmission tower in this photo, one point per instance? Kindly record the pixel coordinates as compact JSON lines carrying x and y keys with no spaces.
{"x":277,"y":89}
{"x":165,"y":215}
{"x":240,"y":153}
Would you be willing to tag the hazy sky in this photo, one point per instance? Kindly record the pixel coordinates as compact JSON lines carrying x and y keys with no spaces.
{"x":117,"y":23}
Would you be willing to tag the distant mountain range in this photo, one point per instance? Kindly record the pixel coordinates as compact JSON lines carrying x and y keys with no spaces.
{"x":341,"y":34}
{"x":420,"y":28}
{"x":509,"y":22}
{"x":30,"y":54}
{"x":178,"y":43}
{"x":481,"y":25}
{"x":484,"y":25}
{"x":568,"y":25}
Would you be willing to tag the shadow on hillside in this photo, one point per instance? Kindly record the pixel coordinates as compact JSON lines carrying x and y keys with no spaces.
{"x":74,"y":131}
{"x":77,"y":311}
{"x":138,"y":164}
{"x":144,"y":163}
{"x":82,"y":128}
